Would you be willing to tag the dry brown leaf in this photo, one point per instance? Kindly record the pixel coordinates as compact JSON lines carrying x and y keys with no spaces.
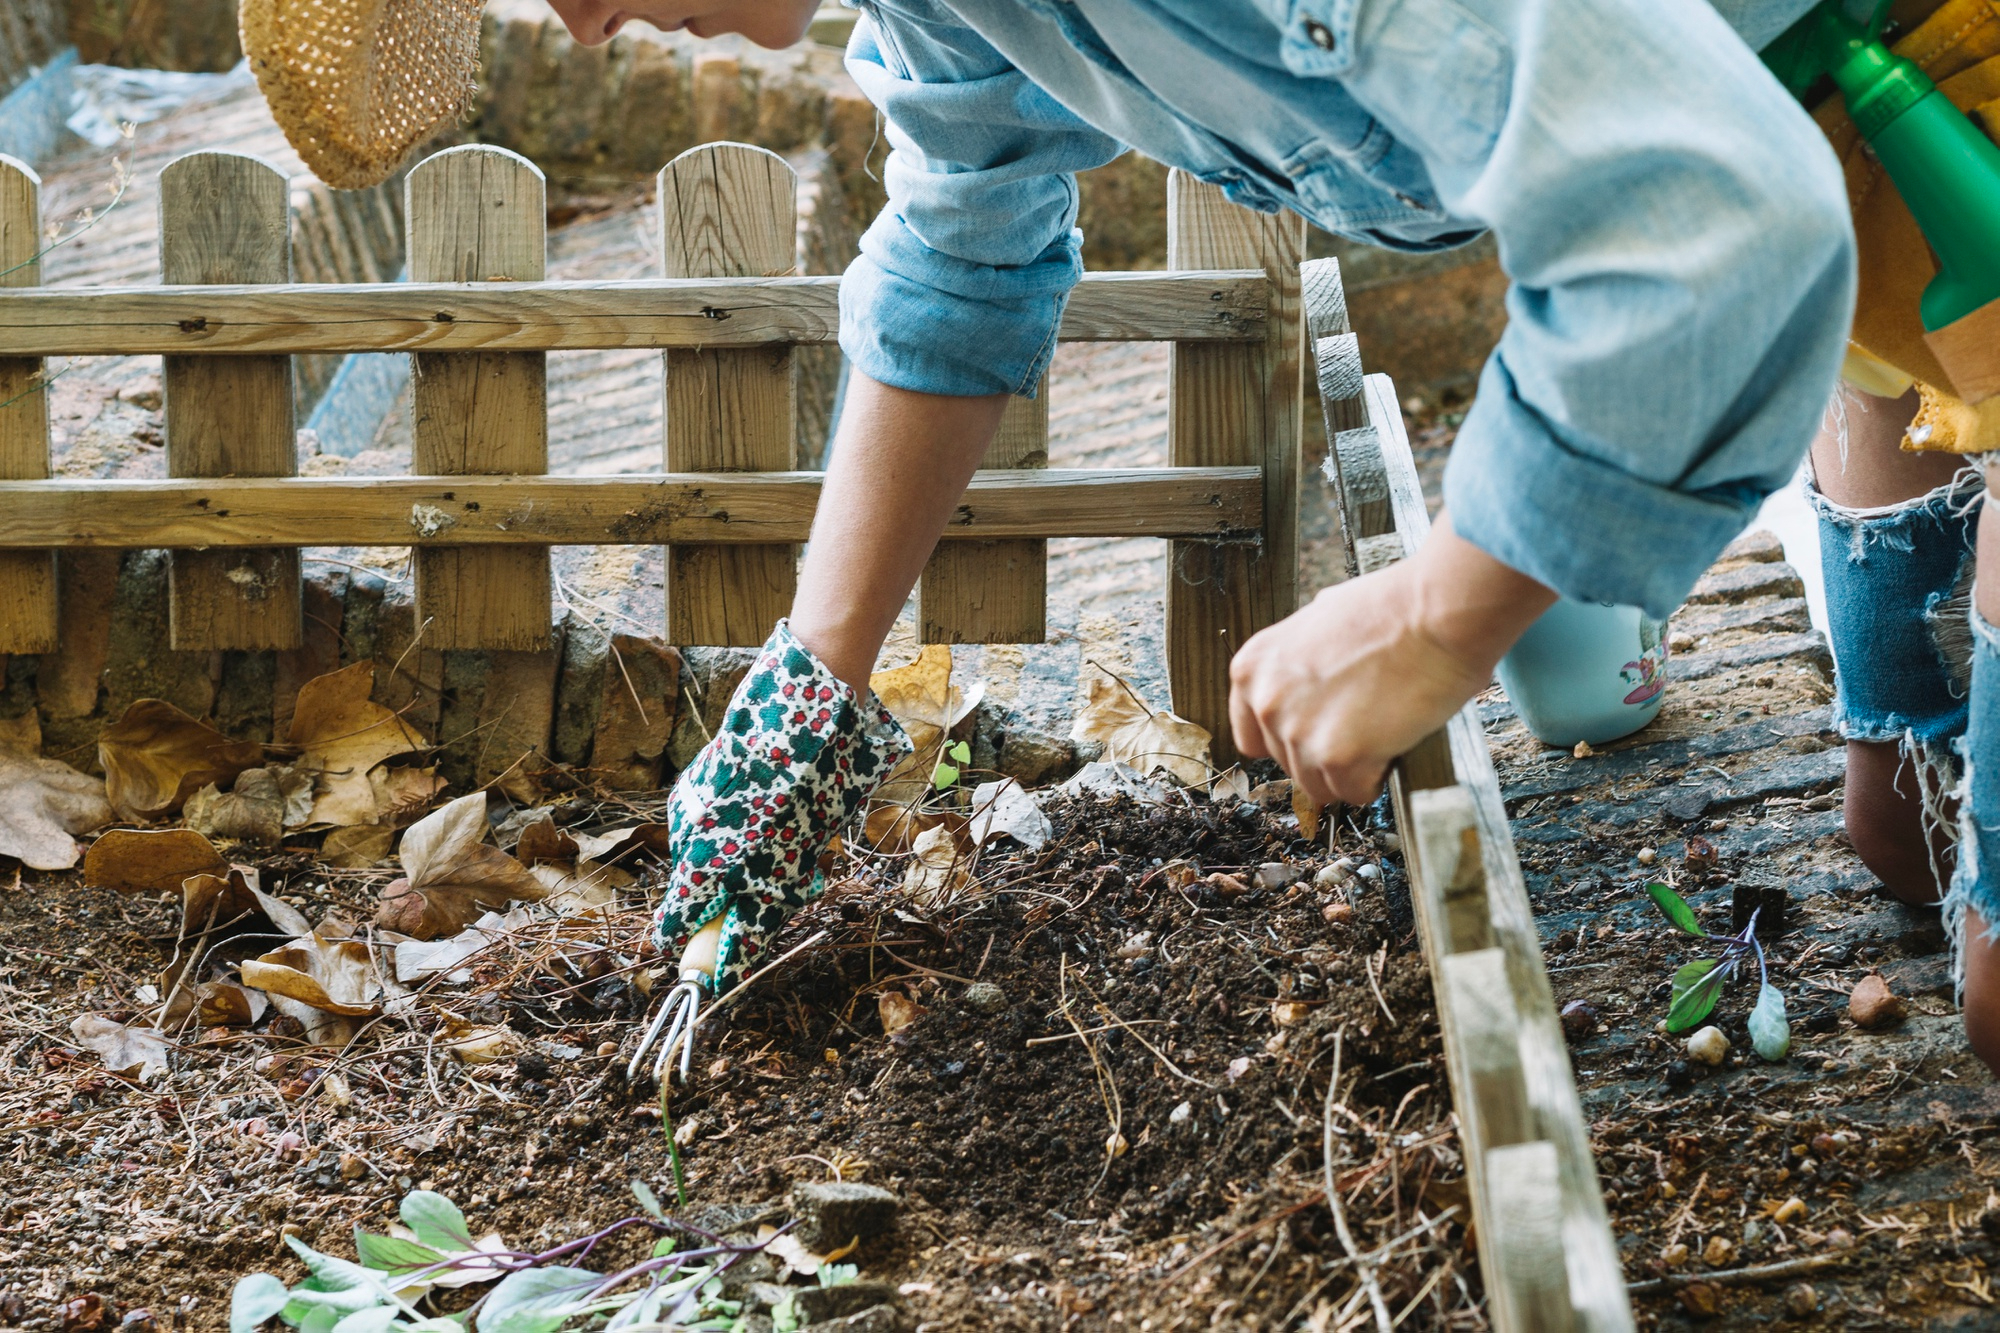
{"x":938,"y":872}
{"x":224,"y":1004}
{"x":481,"y":1045}
{"x":342,"y":735}
{"x":1005,"y":810}
{"x":159,"y":860}
{"x":1308,"y":811}
{"x":322,"y":1027}
{"x":588,"y":886}
{"x":897,"y":1011}
{"x":452,"y":874}
{"x":543,"y":841}
{"x":336,"y":976}
{"x":224,"y":920}
{"x":257,"y":810}
{"x":42,"y":803}
{"x":402,"y":794}
{"x":1114,"y":716}
{"x":125,"y":1049}
{"x":357,"y":846}
{"x":155,"y":757}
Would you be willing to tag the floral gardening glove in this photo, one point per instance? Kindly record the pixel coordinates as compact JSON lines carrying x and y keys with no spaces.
{"x":796,"y":757}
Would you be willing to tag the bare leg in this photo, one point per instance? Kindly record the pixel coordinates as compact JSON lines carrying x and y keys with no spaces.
{"x":1884,"y":801}
{"x":900,"y":462}
{"x":1982,"y":956}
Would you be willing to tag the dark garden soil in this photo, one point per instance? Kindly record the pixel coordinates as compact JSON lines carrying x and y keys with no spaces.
{"x":1137,"y":997}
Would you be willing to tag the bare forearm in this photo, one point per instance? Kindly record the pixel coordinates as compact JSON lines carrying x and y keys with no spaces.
{"x":900,"y":462}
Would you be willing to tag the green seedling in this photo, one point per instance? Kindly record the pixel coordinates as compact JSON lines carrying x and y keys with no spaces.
{"x":1697,"y":986}
{"x":950,"y":765}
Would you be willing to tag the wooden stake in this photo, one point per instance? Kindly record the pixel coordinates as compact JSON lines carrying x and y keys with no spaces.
{"x":27,"y":578}
{"x":1232,"y":404}
{"x":994,"y":592}
{"x":225,"y":217}
{"x":479,"y":214}
{"x":728,"y":210}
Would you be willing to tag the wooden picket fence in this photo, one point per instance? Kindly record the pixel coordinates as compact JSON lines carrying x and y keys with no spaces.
{"x":481,"y":510}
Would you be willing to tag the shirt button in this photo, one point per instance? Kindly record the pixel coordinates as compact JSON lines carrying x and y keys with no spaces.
{"x":1319,"y":34}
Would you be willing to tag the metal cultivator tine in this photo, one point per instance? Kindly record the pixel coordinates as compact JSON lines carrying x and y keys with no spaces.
{"x":679,"y":1012}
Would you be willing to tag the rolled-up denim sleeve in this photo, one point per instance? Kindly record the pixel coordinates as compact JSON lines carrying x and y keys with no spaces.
{"x":1682,"y":264}
{"x":962,"y":279}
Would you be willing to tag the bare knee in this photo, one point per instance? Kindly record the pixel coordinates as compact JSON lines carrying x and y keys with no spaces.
{"x":1884,"y":814}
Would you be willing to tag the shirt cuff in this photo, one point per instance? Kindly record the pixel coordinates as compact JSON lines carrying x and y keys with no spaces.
{"x":916,"y":318}
{"x":1589,"y":530}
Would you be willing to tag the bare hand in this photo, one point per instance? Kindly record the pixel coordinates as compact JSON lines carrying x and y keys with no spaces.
{"x":1372,"y":666}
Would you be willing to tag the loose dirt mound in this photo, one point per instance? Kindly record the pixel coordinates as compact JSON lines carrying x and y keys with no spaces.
{"x":1197,"y":1019}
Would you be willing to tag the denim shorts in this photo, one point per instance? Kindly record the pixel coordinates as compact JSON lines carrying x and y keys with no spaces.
{"x":1898,"y":592}
{"x":1976,"y":882}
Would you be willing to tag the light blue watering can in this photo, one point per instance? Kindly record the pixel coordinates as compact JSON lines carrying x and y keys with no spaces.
{"x":1587,"y":671}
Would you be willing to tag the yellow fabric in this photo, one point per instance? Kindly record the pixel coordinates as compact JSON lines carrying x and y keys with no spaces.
{"x":1958,"y":46}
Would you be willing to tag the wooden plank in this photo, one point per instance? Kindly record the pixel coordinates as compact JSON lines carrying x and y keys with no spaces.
{"x":225,"y":217}
{"x":636,"y":510}
{"x":28,"y":598}
{"x":478,"y":214}
{"x":565,"y":316}
{"x":1353,"y":462}
{"x":1595,"y":1283}
{"x":729,"y":210}
{"x":1523,"y":1181}
{"x":1233,"y":404}
{"x":998,"y":591}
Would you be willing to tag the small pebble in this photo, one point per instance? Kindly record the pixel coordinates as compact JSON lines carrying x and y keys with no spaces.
{"x":985,"y":997}
{"x":1331,"y":877}
{"x":1873,"y":1005}
{"x":1389,"y":842}
{"x":1137,"y":946}
{"x":1753,"y":1233}
{"x":1227,"y":886}
{"x":1116,"y":1146}
{"x":1840,"y":1238}
{"x":1276,"y":875}
{"x":1582,"y":750}
{"x":1792,"y":1210}
{"x":1337,"y":914}
{"x":1801,"y":1299}
{"x":352,"y":1167}
{"x":1717,"y":1252}
{"x":1708,"y":1045}
{"x":1647,"y":856}
{"x":1703,"y":1300}
{"x":1675,"y":1255}
{"x":1368,"y":870}
{"x":607,"y":1048}
{"x":1181,"y":1114}
{"x":1579,"y":1019}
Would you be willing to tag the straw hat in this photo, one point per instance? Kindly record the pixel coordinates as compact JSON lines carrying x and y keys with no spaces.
{"x":357,"y":85}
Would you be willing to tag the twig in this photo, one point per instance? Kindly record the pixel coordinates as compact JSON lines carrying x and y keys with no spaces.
{"x":1737,"y":1277}
{"x":1375,"y":985}
{"x":1365,"y":1269}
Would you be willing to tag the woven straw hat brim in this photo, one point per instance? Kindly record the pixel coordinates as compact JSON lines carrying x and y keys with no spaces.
{"x":358,"y":85}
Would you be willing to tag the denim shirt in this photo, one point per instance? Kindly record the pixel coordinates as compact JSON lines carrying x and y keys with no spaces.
{"x":1674,"y":227}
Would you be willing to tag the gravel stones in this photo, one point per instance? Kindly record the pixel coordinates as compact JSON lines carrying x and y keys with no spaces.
{"x":984,"y":997}
{"x":833,"y":1213}
{"x":1872,"y":1005}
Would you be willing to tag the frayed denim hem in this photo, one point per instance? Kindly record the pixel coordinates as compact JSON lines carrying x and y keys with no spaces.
{"x":1976,"y":882}
{"x":1899,"y":591}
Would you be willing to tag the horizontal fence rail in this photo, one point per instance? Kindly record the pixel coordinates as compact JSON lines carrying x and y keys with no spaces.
{"x":1209,"y":503}
{"x":1202,"y":306}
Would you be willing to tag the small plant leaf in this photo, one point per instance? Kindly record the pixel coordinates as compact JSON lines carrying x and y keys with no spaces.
{"x":838,"y":1275}
{"x":665,"y":1246}
{"x":537,"y":1300}
{"x":1770,"y":1030}
{"x":648,"y":1200}
{"x":318,"y":1318}
{"x":373,"y":1319}
{"x":436,"y":1220}
{"x":1697,"y":987}
{"x":392,"y":1254}
{"x":256,"y":1298}
{"x":1675,"y":909}
{"x":960,"y":752}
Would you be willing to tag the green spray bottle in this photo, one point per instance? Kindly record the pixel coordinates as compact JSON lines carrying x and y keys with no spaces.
{"x":1946,"y":170}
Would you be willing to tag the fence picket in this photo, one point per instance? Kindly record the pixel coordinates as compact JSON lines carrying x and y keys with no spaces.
{"x":226,"y":218}
{"x":728,"y":210}
{"x":994,"y":592}
{"x":27,"y":578}
{"x":478,"y":214}
{"x":1233,"y":404}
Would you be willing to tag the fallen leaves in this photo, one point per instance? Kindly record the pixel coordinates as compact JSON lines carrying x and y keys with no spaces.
{"x":156,"y":861}
{"x":334,"y":977}
{"x":343,"y":735}
{"x":1133,"y":733}
{"x":44,"y":803}
{"x":937,"y":872}
{"x":263,"y":804}
{"x":155,"y":756}
{"x":1005,"y":810}
{"x":452,"y":875}
{"x":139,"y":1052}
{"x":921,"y":697}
